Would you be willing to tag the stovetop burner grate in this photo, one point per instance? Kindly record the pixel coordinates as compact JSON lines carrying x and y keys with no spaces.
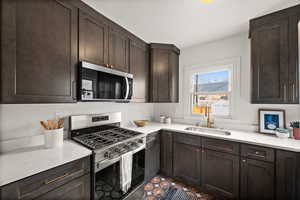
{"x":105,"y":138}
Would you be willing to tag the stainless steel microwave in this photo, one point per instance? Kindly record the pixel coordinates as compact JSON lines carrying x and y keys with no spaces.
{"x":98,"y":83}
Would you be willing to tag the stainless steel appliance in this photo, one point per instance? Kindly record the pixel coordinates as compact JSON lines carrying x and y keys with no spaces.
{"x":98,"y":83}
{"x":102,"y":134}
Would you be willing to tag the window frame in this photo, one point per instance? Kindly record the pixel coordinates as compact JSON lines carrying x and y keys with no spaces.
{"x":191,"y":85}
{"x":232,"y":64}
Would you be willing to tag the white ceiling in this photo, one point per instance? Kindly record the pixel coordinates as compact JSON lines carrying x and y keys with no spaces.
{"x":186,"y":22}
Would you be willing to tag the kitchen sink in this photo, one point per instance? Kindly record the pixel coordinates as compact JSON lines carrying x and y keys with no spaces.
{"x":208,"y":130}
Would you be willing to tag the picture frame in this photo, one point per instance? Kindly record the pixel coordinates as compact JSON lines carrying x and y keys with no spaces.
{"x":270,"y":120}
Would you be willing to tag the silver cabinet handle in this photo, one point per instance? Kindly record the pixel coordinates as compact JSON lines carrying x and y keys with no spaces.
{"x":284,"y":92}
{"x":256,"y":155}
{"x":74,"y":90}
{"x":293,"y":87}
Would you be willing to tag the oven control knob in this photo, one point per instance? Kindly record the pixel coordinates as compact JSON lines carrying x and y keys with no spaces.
{"x":141,"y":141}
{"x":107,"y":155}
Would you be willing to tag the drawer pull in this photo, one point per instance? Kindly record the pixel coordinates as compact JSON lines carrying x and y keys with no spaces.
{"x":256,"y":155}
{"x":46,"y":182}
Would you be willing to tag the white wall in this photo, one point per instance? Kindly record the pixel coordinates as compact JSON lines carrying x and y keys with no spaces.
{"x":22,"y":120}
{"x":237,"y":46}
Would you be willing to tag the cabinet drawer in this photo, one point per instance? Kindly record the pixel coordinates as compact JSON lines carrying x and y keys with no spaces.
{"x":77,"y":189}
{"x":221,"y":145}
{"x":258,"y":153}
{"x":188,"y":139}
{"x":39,"y":184}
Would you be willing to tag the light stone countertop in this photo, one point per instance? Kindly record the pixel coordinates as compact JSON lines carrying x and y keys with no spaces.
{"x":19,"y":164}
{"x":236,"y":136}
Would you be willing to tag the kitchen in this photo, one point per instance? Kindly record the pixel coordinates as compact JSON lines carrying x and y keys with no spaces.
{"x":61,"y":58}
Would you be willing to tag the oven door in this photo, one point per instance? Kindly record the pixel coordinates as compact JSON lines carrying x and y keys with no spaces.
{"x":98,"y":83}
{"x":107,"y":180}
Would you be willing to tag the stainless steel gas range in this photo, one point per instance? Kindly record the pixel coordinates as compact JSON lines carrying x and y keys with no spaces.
{"x":102,"y":134}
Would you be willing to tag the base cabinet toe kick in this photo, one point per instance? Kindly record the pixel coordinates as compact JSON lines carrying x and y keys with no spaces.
{"x":230,"y":170}
{"x":68,"y":181}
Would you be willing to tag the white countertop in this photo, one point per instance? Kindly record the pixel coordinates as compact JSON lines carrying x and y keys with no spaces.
{"x":25,"y":162}
{"x":237,"y":136}
{"x":19,"y":164}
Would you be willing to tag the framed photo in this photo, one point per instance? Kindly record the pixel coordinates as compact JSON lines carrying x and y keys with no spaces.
{"x":270,"y":120}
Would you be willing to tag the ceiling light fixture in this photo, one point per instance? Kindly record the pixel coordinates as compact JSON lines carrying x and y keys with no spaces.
{"x":207,"y":1}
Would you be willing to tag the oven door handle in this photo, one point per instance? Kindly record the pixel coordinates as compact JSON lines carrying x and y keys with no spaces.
{"x":127,"y":88}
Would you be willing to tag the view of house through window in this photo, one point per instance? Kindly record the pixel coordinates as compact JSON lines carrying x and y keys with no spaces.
{"x":211,"y":93}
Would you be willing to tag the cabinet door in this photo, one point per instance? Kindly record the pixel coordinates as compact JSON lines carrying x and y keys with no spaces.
{"x":160,"y":87}
{"x":166,"y":153}
{"x":220,"y":174}
{"x":152,"y":156}
{"x":287,"y":175}
{"x":257,"y":180}
{"x":139,"y":67}
{"x":294,"y":53}
{"x":174,"y":77}
{"x":93,"y":39}
{"x":39,"y":51}
{"x":186,"y":163}
{"x":77,"y":189}
{"x":118,"y":50}
{"x":270,"y":61}
{"x":164,"y":65}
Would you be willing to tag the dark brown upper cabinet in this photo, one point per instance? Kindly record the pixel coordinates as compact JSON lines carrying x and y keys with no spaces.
{"x":39,"y":48}
{"x":118,"y":49}
{"x":270,"y":62}
{"x":294,"y":46}
{"x":275,"y":57}
{"x":164,"y":72}
{"x":139,"y":67}
{"x":93,"y":39}
{"x":102,"y":42}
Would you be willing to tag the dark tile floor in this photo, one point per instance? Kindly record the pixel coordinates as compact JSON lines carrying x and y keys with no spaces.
{"x":156,"y":188}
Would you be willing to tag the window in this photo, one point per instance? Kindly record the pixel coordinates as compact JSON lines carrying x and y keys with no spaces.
{"x":212,"y":87}
{"x":211,"y":92}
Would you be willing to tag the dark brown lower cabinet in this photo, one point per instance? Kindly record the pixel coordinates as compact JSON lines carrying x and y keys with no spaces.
{"x":68,"y":181}
{"x":287,"y":175}
{"x":246,"y":173}
{"x":152,"y":156}
{"x":220,"y":174}
{"x":78,"y":189}
{"x":166,"y":153}
{"x":186,"y":163}
{"x":257,"y":180}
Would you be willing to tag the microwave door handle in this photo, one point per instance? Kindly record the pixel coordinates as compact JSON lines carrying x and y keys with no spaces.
{"x":127,"y":88}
